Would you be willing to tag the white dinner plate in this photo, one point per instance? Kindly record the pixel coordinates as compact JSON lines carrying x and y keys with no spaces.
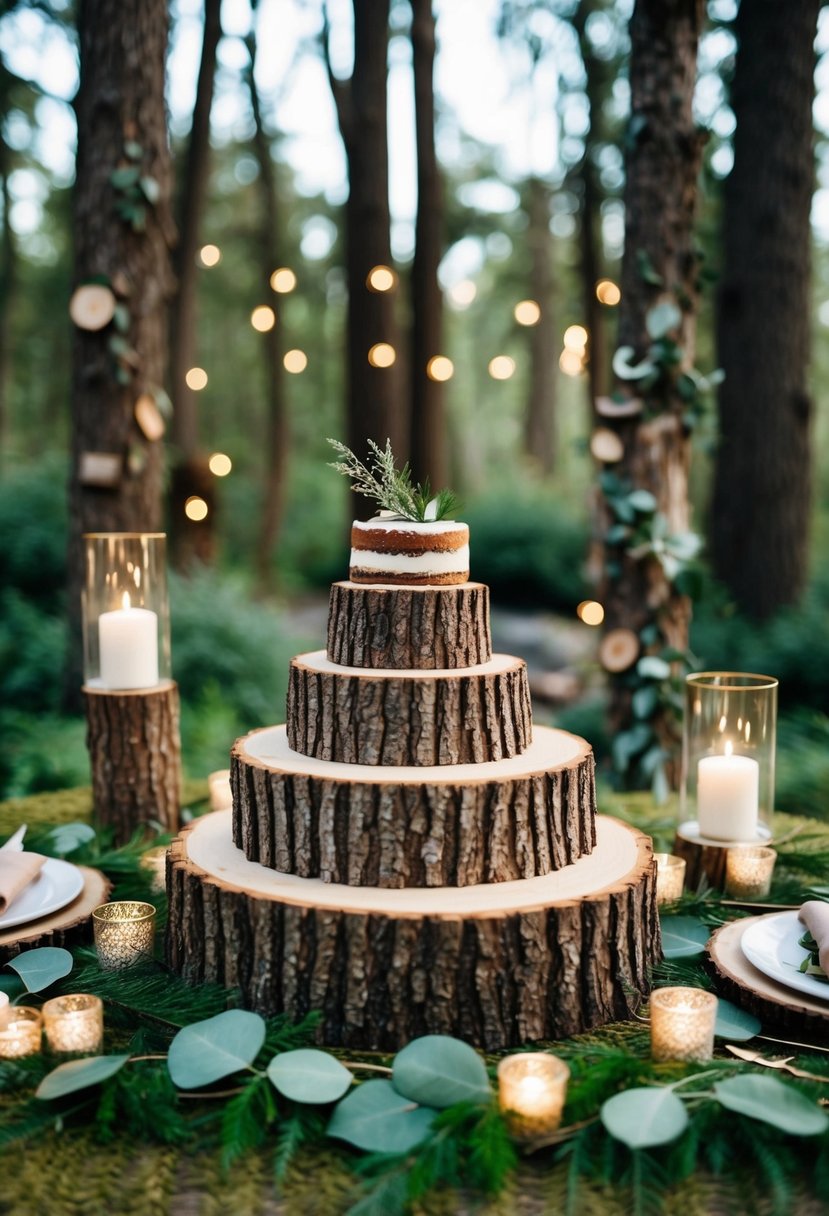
{"x":771,"y":944}
{"x":57,"y":884}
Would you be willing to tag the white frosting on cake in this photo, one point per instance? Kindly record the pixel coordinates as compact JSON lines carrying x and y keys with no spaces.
{"x":433,"y":527}
{"x":452,"y":562}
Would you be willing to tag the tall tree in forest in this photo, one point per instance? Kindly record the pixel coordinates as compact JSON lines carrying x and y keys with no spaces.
{"x":374,"y":404}
{"x":428,"y":444}
{"x":646,"y":488}
{"x":760,"y":514}
{"x":8,"y":259}
{"x":539,"y":418}
{"x":122,"y":235}
{"x":276,"y":444}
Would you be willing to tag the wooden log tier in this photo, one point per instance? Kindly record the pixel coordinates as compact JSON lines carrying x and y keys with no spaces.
{"x":69,"y":926}
{"x":458,"y":716}
{"x":449,"y":825}
{"x":409,"y":627}
{"x":135,"y":755}
{"x":496,"y":965}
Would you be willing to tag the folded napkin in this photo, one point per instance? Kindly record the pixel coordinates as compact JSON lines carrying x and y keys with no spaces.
{"x":17,"y":870}
{"x":815,"y":916}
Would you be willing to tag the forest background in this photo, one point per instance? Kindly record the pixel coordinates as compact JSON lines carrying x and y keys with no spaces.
{"x":532,"y":131}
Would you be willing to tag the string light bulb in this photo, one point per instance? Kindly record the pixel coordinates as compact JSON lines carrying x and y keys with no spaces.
{"x":571,"y":362}
{"x":295,"y":361}
{"x":196,"y":379}
{"x":575,"y":338}
{"x":196,"y":508}
{"x":382,"y":354}
{"x":440,"y":368}
{"x":283,"y":280}
{"x":263,"y":318}
{"x":590,"y":612}
{"x":502,"y":367}
{"x":527,"y":312}
{"x":607,"y":292}
{"x":210,"y":255}
{"x":462,"y":294}
{"x":381,"y":278}
{"x":220,"y":464}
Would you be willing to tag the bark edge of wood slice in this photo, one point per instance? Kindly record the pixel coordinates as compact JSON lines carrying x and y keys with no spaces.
{"x":355,"y":715}
{"x":66,"y":927}
{"x":438,"y":826}
{"x":408,"y":627}
{"x":530,"y":968}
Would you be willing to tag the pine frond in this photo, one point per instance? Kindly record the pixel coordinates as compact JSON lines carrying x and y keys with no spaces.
{"x":246,"y":1118}
{"x":302,"y":1127}
{"x":148,"y":990}
{"x":391,"y":487}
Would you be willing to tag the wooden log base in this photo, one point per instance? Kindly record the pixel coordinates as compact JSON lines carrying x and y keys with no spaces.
{"x":409,"y":627}
{"x":135,"y":756}
{"x":705,"y":860}
{"x":496,"y":965}
{"x":467,"y":715}
{"x":67,"y":927}
{"x":791,"y":1014}
{"x":447,"y":825}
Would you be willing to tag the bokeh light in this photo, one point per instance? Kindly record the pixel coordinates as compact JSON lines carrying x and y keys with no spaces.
{"x":220,"y":464}
{"x":575,"y":338}
{"x":295,"y":361}
{"x":571,"y":362}
{"x":382,"y":354}
{"x":591,"y":612}
{"x":440,"y":368}
{"x":607,"y":292}
{"x":501,"y":367}
{"x":283,"y":280}
{"x":196,"y":379}
{"x":381,"y":278}
{"x":210,"y":255}
{"x":462,"y":294}
{"x":263,"y":318}
{"x":196,"y":508}
{"x":527,"y":312}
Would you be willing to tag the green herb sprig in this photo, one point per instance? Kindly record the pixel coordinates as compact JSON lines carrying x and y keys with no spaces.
{"x":392,"y":488}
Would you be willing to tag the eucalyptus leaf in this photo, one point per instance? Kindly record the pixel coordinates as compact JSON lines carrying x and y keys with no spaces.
{"x":67,"y":837}
{"x":735,"y":1023}
{"x":125,"y":177}
{"x":377,"y":1119}
{"x":643,"y":501}
{"x":662,"y":318}
{"x":133,"y":149}
{"x":79,"y":1074}
{"x":647,"y":271}
{"x":207,"y":1051}
{"x":770,"y":1101}
{"x":651,"y":667}
{"x":437,"y":1070}
{"x":683,"y":936}
{"x":629,"y":743}
{"x":625,"y":370}
{"x":643,"y":1118}
{"x":660,"y":786}
{"x":644,"y":701}
{"x":308,"y":1075}
{"x":150,"y":189}
{"x":40,"y":968}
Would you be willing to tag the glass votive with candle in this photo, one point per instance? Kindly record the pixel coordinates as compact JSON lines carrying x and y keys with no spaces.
{"x":532,"y":1087}
{"x":126,"y":611}
{"x":670,"y":877}
{"x":74,"y":1023}
{"x":748,"y":871}
{"x":21,"y":1027}
{"x":728,"y":755}
{"x":682,"y":1024}
{"x":124,"y":933}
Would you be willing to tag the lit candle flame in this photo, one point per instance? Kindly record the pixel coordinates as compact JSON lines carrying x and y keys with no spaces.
{"x":729,"y":747}
{"x":125,"y":600}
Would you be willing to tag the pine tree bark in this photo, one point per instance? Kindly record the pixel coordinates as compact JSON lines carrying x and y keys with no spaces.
{"x":373,"y":399}
{"x":759,"y":522}
{"x":8,"y":285}
{"x":540,"y":416}
{"x":428,"y":450}
{"x":123,"y":45}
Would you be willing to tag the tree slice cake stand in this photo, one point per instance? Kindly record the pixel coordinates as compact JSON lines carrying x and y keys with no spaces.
{"x":430,"y":826}
{"x":66,"y":927}
{"x":498,"y":965}
{"x":790,"y":1013}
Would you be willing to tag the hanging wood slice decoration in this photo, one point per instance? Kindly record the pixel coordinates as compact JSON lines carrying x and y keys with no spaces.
{"x":606,"y":446}
{"x":619,"y":650}
{"x":148,"y":417}
{"x":92,"y":306}
{"x":102,"y":469}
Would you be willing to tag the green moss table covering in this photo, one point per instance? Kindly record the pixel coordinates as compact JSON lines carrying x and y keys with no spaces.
{"x":196,"y":1108}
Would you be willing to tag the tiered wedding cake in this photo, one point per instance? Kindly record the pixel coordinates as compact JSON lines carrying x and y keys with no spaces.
{"x":408,"y":855}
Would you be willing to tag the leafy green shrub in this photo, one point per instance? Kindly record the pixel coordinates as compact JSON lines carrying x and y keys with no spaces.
{"x":802,"y":785}
{"x":33,"y":531}
{"x":41,"y":752}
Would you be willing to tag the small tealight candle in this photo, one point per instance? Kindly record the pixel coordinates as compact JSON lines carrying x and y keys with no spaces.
{"x":728,"y":796}
{"x":74,"y":1023}
{"x":682,"y":1024}
{"x":532,"y":1087}
{"x":218,"y":783}
{"x":748,"y":871}
{"x":20,"y":1031}
{"x":124,"y":933}
{"x":128,"y":645}
{"x":670,"y":877}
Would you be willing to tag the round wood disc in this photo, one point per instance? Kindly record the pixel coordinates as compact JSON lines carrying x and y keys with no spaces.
{"x":64,"y":927}
{"x":434,"y":825}
{"x":92,"y":306}
{"x":496,"y":964}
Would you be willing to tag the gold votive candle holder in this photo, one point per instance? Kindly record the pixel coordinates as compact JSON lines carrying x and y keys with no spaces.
{"x":532,"y":1087}
{"x":682,"y":1024}
{"x":748,"y":871}
{"x":124,"y":933}
{"x":21,"y":1027}
{"x":670,"y":877}
{"x":74,"y":1023}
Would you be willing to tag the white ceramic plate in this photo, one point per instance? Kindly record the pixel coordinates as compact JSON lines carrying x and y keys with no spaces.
{"x":57,"y":884}
{"x":771,"y":944}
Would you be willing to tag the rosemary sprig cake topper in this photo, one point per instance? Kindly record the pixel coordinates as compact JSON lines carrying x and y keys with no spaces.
{"x":392,"y":488}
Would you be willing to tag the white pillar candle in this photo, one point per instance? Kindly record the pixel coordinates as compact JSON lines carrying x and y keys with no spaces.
{"x":128,"y":643}
{"x":728,"y":796}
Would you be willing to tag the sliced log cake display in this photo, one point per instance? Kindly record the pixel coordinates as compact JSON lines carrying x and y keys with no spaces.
{"x":409,"y":627}
{"x":465,"y":715}
{"x":497,"y":965}
{"x":449,"y":825}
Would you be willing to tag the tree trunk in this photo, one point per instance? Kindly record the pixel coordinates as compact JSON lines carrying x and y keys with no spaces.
{"x":373,"y":398}
{"x":123,"y":45}
{"x":659,"y":264}
{"x":276,"y":446}
{"x":760,"y":513}
{"x":8,"y":283}
{"x":428,"y":452}
{"x":539,"y":420}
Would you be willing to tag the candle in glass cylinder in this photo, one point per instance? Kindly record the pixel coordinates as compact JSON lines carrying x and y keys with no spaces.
{"x":748,"y":872}
{"x":20,"y":1031}
{"x":74,"y":1023}
{"x":682,"y":1024}
{"x":128,"y":643}
{"x":670,"y":877}
{"x":728,"y":796}
{"x":531,"y":1092}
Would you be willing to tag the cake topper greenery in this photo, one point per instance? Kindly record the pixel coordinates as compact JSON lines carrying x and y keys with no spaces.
{"x":391,"y":487}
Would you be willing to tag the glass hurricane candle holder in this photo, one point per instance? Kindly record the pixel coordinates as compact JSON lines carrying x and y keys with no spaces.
{"x":670,"y":877}
{"x":532,"y":1087}
{"x":748,"y":871}
{"x":728,"y":753}
{"x":124,"y":933}
{"x":74,"y":1023}
{"x":126,"y":610}
{"x":20,"y":1031}
{"x":682,"y":1024}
